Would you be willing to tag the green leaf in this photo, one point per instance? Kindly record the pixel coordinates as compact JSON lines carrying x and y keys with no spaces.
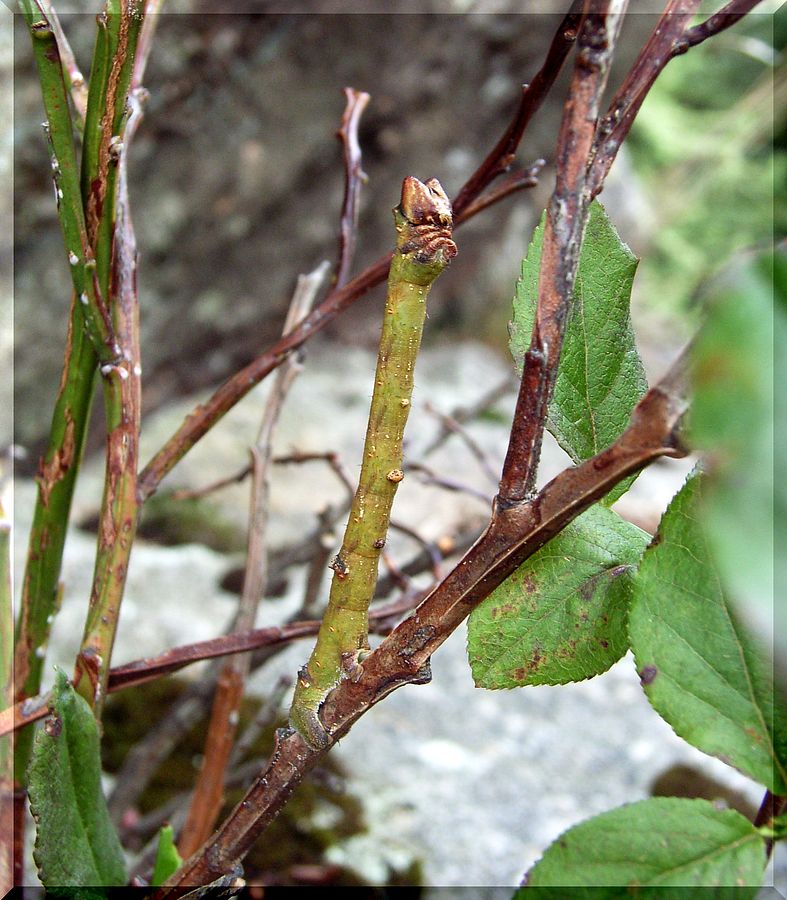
{"x":601,"y":377}
{"x":732,"y":418}
{"x":699,"y":667}
{"x":644,"y":847}
{"x":76,"y":843}
{"x":168,"y":859}
{"x":561,"y":616}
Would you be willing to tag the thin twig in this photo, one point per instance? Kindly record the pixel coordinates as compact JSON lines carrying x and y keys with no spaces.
{"x":206,"y":802}
{"x":452,"y":426}
{"x":565,"y":225}
{"x":430,"y":547}
{"x":324,"y":546}
{"x":429,"y":476}
{"x":266,"y":716}
{"x":503,"y":154}
{"x":354,"y":177}
{"x":728,"y":15}
{"x":511,"y":184}
{"x":660,"y":48}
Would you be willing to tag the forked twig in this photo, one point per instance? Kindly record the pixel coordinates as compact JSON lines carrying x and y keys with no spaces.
{"x":354,"y":177}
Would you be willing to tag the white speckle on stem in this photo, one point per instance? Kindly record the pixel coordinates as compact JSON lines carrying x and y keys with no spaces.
{"x":83,"y":299}
{"x":73,"y":258}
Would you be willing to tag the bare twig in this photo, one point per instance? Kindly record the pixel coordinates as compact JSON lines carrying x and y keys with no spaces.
{"x":728,"y":15}
{"x":206,"y":803}
{"x":660,"y":48}
{"x":503,"y":154}
{"x":324,"y":547}
{"x":511,"y":184}
{"x":354,"y":177}
{"x":213,"y":487}
{"x":463,"y":414}
{"x":565,"y":226}
{"x":266,"y":716}
{"x":452,"y":426}
{"x":429,"y":476}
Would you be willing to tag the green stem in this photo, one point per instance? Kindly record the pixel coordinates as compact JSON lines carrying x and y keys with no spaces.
{"x":120,"y":506}
{"x":56,"y":479}
{"x":77,"y":239}
{"x":423,"y":249}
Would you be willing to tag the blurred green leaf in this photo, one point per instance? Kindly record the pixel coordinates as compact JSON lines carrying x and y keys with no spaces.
{"x":700,"y":668}
{"x":168,"y":859}
{"x":601,"y":377}
{"x":645,"y":847}
{"x":732,"y":420}
{"x":561,"y":616}
{"x":76,"y":843}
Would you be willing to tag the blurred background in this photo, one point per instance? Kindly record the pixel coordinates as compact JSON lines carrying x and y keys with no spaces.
{"x":236,"y":188}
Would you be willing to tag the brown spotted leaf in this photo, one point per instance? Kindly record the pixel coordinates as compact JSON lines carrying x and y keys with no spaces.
{"x":701,"y":668}
{"x":561,"y":616}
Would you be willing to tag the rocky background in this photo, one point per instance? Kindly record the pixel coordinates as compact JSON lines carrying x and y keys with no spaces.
{"x":236,"y":187}
{"x":237,"y":179}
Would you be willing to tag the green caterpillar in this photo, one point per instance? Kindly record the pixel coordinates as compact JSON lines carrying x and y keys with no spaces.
{"x":423,"y":249}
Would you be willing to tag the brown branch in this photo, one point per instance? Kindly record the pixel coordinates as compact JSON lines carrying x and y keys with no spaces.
{"x":565,"y":225}
{"x":661,"y":47}
{"x":512,"y":184}
{"x":514,"y":533}
{"x":354,"y":177}
{"x":208,"y":792}
{"x":199,"y":422}
{"x":720,"y":21}
{"x":672,"y":37}
{"x":503,"y":153}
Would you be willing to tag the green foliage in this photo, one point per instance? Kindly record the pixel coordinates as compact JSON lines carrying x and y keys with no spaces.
{"x":601,"y":377}
{"x":699,"y":667}
{"x":645,"y":847}
{"x":168,"y":859}
{"x":562,"y":615}
{"x":704,"y":145}
{"x":75,"y":841}
{"x":732,"y":419}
